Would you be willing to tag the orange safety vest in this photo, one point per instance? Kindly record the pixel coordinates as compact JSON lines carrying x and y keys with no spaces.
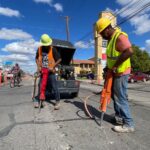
{"x":51,"y":60}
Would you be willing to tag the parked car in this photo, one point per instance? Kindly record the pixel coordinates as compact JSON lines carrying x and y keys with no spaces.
{"x":148,"y":73}
{"x":138,"y":76}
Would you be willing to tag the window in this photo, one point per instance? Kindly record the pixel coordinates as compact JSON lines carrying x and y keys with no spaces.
{"x":86,"y":65}
{"x":81,"y":65}
{"x":90,"y":65}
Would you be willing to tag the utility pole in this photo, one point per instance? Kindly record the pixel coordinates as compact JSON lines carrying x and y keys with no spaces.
{"x":67,"y":27}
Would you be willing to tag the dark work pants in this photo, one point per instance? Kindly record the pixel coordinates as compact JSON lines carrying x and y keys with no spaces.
{"x":52,"y":84}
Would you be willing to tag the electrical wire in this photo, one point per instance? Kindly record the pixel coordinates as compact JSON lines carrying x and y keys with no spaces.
{"x":134,"y":14}
{"x":130,"y":16}
{"x":130,"y":5}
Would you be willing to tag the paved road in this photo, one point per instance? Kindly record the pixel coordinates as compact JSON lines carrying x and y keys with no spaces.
{"x":22,"y":127}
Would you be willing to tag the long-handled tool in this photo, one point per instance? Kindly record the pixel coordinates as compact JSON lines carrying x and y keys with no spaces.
{"x":36,"y":75}
{"x":106,"y":94}
{"x":40,"y":105}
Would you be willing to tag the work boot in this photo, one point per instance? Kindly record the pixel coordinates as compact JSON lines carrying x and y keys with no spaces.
{"x":118,"y":120}
{"x":123,"y":129}
{"x":57,"y":105}
{"x":36,"y":104}
{"x":43,"y":104}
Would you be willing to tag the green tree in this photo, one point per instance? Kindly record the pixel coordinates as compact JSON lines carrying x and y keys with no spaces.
{"x":140,"y":60}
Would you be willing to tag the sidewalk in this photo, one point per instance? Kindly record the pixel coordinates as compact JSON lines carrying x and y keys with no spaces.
{"x":92,"y":82}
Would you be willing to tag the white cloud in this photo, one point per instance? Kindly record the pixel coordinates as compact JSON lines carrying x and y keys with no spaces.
{"x":142,"y":20}
{"x":84,"y":45}
{"x":9,"y":12}
{"x":22,"y":53}
{"x":141,"y":24}
{"x":81,"y":44}
{"x":15,"y":57}
{"x":148,"y":44}
{"x":13,"y":34}
{"x":27,"y":47}
{"x":142,"y":48}
{"x":28,"y":67}
{"x":26,"y":61}
{"x":43,"y":1}
{"x":124,"y":2}
{"x":58,"y":7}
{"x":133,"y":6}
{"x":1,"y":62}
{"x":110,"y":10}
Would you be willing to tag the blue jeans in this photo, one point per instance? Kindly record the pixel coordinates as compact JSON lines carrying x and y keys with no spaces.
{"x":119,"y":96}
{"x":51,"y":84}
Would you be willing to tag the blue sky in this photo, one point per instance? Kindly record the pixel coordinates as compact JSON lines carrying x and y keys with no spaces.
{"x":24,"y":21}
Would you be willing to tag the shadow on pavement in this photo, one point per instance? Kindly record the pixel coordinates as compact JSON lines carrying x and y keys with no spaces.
{"x":95,"y":113}
{"x":51,"y":97}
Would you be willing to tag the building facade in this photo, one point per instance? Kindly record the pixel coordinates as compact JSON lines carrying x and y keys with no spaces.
{"x":83,"y":65}
{"x":100,"y":46}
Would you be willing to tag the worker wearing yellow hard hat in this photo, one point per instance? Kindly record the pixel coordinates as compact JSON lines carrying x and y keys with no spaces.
{"x":45,"y":40}
{"x":118,"y":51}
{"x":102,"y":23}
{"x":47,"y":58}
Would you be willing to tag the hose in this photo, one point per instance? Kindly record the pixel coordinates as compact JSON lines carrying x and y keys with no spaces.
{"x":85,"y":106}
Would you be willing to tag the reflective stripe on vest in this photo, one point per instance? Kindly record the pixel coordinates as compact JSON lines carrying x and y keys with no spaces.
{"x":113,"y":54}
{"x":51,"y":61}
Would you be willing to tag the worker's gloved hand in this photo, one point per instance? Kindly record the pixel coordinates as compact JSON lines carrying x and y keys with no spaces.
{"x":105,"y":70}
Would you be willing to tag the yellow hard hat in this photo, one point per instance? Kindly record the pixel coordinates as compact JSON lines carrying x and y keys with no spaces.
{"x":45,"y":40}
{"x":102,"y":23}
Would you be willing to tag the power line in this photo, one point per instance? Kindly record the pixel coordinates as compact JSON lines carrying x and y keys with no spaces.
{"x":130,"y":5}
{"x":127,"y":18}
{"x":118,"y":13}
{"x":134,"y":13}
{"x":85,"y":36}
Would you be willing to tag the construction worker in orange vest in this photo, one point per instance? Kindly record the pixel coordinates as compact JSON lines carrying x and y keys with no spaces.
{"x":47,"y":58}
{"x":119,"y":51}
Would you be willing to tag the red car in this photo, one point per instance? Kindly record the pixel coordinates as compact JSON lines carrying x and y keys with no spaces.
{"x":138,"y":76}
